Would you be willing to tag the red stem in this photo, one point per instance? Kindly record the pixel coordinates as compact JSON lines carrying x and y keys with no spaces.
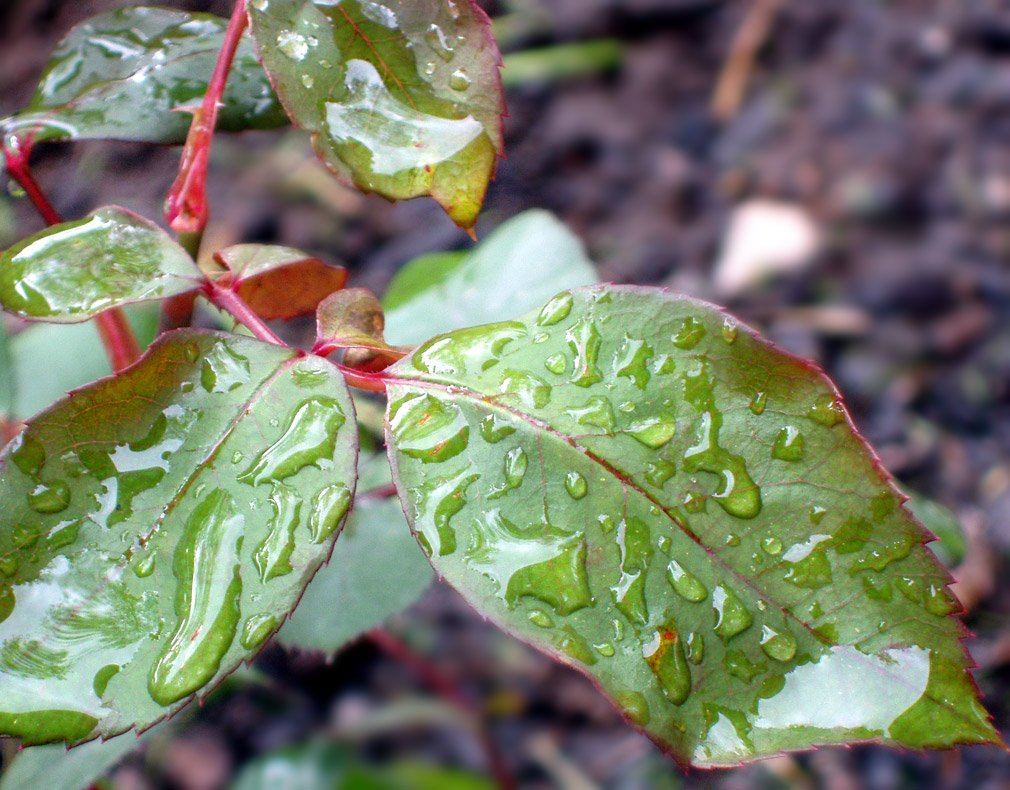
{"x":117,"y":335}
{"x":231,"y":302}
{"x":186,"y":208}
{"x":442,"y":685}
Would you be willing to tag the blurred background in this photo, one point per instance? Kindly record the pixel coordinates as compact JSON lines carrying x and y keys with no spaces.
{"x":837,"y":173}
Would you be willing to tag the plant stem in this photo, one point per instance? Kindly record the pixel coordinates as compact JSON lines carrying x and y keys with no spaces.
{"x":437,"y":681}
{"x":116,"y":333}
{"x":186,"y":208}
{"x":231,"y":302}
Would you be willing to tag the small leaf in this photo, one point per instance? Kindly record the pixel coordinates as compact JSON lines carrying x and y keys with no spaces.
{"x":353,"y":594}
{"x":350,"y":319}
{"x":634,"y":483}
{"x":279,"y":282}
{"x":130,"y":74}
{"x":402,"y":97}
{"x":40,"y":383}
{"x":76,"y":769}
{"x":72,"y":272}
{"x":159,"y":525}
{"x":503,"y":276}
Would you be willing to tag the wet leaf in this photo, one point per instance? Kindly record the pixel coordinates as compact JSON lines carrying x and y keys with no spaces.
{"x":402,"y":97}
{"x":8,"y":391}
{"x":637,"y":485}
{"x":72,"y":272}
{"x":76,"y":769}
{"x":279,"y":282}
{"x":131,"y":74}
{"x":503,"y":276}
{"x":40,"y":383}
{"x":353,"y":594}
{"x":350,"y":319}
{"x":159,"y":525}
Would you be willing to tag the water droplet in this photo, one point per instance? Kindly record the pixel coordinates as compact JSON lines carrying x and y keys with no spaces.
{"x":459,"y":81}
{"x":695,"y":648}
{"x":689,"y":334}
{"x":817,"y":514}
{"x":739,"y":495}
{"x":541,"y":561}
{"x":49,"y":498}
{"x":827,"y":411}
{"x":758,"y":403}
{"x":309,"y":440}
{"x":476,"y":348}
{"x":556,"y":310}
{"x":635,"y":544}
{"x":325,"y":64}
{"x":533,"y":392}
{"x":772,"y":545}
{"x":695,"y":502}
{"x":308,"y":81}
{"x":731,"y":616}
{"x":653,"y":433}
{"x":596,"y":411}
{"x":63,"y":534}
{"x":102,"y":677}
{"x":328,"y":510}
{"x":494,"y":428}
{"x":516,"y":463}
{"x":206,"y":567}
{"x":606,"y":523}
{"x":634,"y":705}
{"x":429,"y":68}
{"x":144,"y":567}
{"x":658,"y":472}
{"x":575,"y":646}
{"x":557,"y":364}
{"x":740,"y":666}
{"x":729,"y":330}
{"x":8,"y":601}
{"x":687,"y":585}
{"x":273,"y":556}
{"x":605,"y":649}
{"x":665,"y":656}
{"x":789,"y":444}
{"x":439,"y":42}
{"x":9,"y":565}
{"x":540,"y":618}
{"x":632,"y":361}
{"x":576,"y":485}
{"x":584,"y":340}
{"x":780,"y":646}
{"x":427,"y":428}
{"x":223,"y":369}
{"x":292,"y":44}
{"x":256,"y":629}
{"x":29,"y":455}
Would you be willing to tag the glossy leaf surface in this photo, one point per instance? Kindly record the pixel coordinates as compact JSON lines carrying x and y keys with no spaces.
{"x":279,"y":282}
{"x":130,"y":74}
{"x":402,"y":97}
{"x":634,"y":483}
{"x":354,"y":592}
{"x":72,"y":272}
{"x":521,"y":264}
{"x":159,"y":525}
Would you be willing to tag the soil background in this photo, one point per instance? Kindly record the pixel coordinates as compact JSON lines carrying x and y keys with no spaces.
{"x":885,"y":125}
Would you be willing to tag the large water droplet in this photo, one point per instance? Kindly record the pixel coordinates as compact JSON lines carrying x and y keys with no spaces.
{"x":634,"y":705}
{"x":665,"y":656}
{"x":459,"y":80}
{"x":540,"y":618}
{"x":584,"y":340}
{"x":556,"y":310}
{"x":273,"y":556}
{"x":533,"y":392}
{"x":328,"y":510}
{"x":256,"y":629}
{"x":789,"y":444}
{"x":494,"y":428}
{"x":145,"y":566}
{"x":739,"y":495}
{"x":437,"y":501}
{"x":572,"y":643}
{"x":689,"y":333}
{"x":687,"y":585}
{"x":731,"y":616}
{"x":310,"y":440}
{"x":827,"y":411}
{"x":466,"y":350}
{"x":51,"y":497}
{"x":596,"y":411}
{"x":516,"y":463}
{"x":557,"y":364}
{"x":780,"y":646}
{"x":223,"y":369}
{"x":632,"y":361}
{"x":576,"y":485}
{"x":653,"y":433}
{"x":740,"y":666}
{"x":427,"y":428}
{"x":635,"y":544}
{"x":29,"y":455}
{"x":206,"y":567}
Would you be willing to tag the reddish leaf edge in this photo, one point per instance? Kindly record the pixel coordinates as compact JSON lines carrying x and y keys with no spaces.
{"x":684,"y":764}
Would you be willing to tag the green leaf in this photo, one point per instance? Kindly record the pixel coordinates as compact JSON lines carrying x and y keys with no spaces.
{"x":130,"y":74}
{"x":420,"y":274}
{"x":159,"y":525}
{"x":73,"y":271}
{"x":39,"y":382}
{"x":502,"y":277}
{"x":76,"y":769}
{"x":632,"y":482}
{"x":8,"y":387}
{"x":279,"y":282}
{"x":950,"y":545}
{"x":354,"y":593}
{"x":402,"y":97}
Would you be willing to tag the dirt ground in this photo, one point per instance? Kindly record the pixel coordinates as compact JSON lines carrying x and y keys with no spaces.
{"x":884,"y":125}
